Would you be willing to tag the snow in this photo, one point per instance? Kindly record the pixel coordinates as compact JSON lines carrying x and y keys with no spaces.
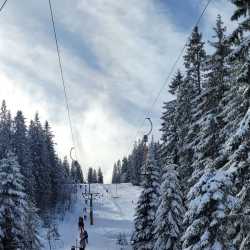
{"x":113,"y":214}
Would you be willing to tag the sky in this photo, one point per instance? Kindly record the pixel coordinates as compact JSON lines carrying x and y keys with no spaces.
{"x":116,"y":55}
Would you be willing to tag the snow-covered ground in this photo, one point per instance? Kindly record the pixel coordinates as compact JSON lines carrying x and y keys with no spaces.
{"x":113,"y":214}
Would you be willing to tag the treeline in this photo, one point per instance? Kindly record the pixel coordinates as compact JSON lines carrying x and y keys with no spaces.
{"x":202,"y":199}
{"x":95,"y":176}
{"x":129,"y":169}
{"x":34,"y":181}
{"x":76,"y":172}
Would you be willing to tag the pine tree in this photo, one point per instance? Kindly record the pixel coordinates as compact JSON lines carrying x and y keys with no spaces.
{"x":210,"y":123}
{"x":210,"y":202}
{"x":116,"y":176}
{"x":41,"y":169}
{"x":170,"y":212}
{"x":90,"y":175}
{"x":100,"y":176}
{"x":176,"y":83}
{"x":13,"y":203}
{"x":5,"y":130}
{"x":66,"y":167}
{"x":169,"y":138}
{"x":32,"y":227}
{"x":118,"y":169}
{"x":168,"y":222}
{"x":94,"y":179}
{"x":138,"y":160}
{"x":22,"y":151}
{"x":178,"y":116}
{"x":240,"y":38}
{"x":51,"y":163}
{"x":125,"y":171}
{"x":8,"y":237}
{"x":143,"y":237}
{"x":193,"y":61}
{"x":76,"y":173}
{"x":79,"y":173}
{"x":237,"y":118}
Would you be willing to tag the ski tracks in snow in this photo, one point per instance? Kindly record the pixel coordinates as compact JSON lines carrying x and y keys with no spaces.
{"x":111,"y":217}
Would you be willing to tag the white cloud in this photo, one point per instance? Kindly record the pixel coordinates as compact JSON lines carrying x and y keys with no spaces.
{"x":116,"y":55}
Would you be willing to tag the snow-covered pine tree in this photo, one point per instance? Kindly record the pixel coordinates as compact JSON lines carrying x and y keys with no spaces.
{"x":241,"y":40}
{"x":143,"y":236}
{"x":193,"y":61}
{"x":169,"y":216}
{"x":100,"y":176}
{"x":237,"y":119}
{"x":209,"y":139}
{"x":210,"y":202}
{"x":21,"y":149}
{"x":32,"y":227}
{"x":138,"y":156}
{"x":125,"y":175}
{"x":119,"y":168}
{"x":14,"y":207}
{"x":77,"y":175}
{"x":51,"y":163}
{"x":177,"y":116}
{"x":41,"y":169}
{"x":73,"y":172}
{"x":90,"y":175}
{"x":241,"y":57}
{"x":116,"y":176}
{"x":169,"y":136}
{"x":94,"y":176}
{"x":66,"y":187}
{"x":5,"y":130}
{"x":66,"y":167}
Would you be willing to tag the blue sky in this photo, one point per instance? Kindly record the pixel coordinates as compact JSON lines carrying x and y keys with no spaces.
{"x":116,"y":55}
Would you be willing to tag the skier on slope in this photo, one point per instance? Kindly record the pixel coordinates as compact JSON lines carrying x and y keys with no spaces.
{"x":83,"y":239}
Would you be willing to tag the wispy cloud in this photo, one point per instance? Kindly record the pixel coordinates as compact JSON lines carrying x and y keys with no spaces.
{"x":116,"y":55}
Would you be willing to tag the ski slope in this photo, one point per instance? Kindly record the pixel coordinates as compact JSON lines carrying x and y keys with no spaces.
{"x":113,"y":214}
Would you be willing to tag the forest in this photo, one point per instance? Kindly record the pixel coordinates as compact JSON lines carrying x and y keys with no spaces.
{"x":35,"y":184}
{"x":193,"y":181}
{"x":196,"y":180}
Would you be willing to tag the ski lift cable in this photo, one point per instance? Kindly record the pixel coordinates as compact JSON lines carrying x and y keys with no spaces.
{"x":61,"y":72}
{"x":3,"y":4}
{"x":178,"y":58}
{"x":171,"y":71}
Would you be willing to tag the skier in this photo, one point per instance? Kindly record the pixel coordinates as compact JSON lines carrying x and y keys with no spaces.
{"x":81,"y":223}
{"x":83,"y":239}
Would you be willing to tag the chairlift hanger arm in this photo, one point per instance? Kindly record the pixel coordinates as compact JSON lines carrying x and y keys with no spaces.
{"x":145,"y":138}
{"x":151,"y":126}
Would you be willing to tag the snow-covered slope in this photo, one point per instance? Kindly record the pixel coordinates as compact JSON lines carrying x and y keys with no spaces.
{"x":113,"y":214}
